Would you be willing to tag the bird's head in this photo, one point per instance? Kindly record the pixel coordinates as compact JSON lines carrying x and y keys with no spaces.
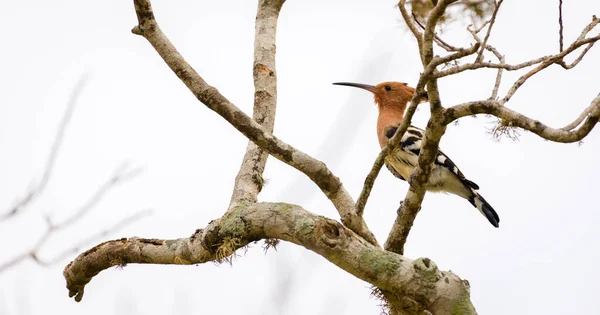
{"x":388,"y":95}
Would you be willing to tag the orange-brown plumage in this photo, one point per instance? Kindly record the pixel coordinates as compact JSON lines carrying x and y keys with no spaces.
{"x":391,"y":99}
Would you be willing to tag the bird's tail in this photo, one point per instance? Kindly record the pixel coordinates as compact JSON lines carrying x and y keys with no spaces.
{"x":484,"y":207}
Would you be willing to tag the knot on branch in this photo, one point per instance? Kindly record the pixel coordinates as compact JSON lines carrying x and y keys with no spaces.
{"x":427,"y":274}
{"x":425,"y":265}
{"x":332,"y":233}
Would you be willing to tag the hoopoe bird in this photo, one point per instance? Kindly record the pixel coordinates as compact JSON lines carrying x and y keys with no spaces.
{"x":391,"y":99}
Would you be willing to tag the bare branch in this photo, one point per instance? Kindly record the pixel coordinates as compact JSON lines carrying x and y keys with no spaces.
{"x":554,"y":59}
{"x":103,"y":233}
{"x":37,"y":190}
{"x":416,"y":280}
{"x":249,"y":181}
{"x":489,"y":31}
{"x":560,"y":26}
{"x":583,"y":116}
{"x":578,"y":59}
{"x":426,"y":50}
{"x":433,"y":133}
{"x":414,"y":197}
{"x":460,"y":53}
{"x":316,"y":170}
{"x":480,"y":28}
{"x":544,"y":61}
{"x":498,"y":55}
{"x":515,"y":119}
{"x":413,"y":28}
{"x":438,"y":40}
{"x":121,"y":175}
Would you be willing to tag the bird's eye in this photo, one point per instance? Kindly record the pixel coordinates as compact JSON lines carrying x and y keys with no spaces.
{"x":388,"y":88}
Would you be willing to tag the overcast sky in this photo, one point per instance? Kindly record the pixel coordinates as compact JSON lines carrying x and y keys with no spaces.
{"x":540,"y":261}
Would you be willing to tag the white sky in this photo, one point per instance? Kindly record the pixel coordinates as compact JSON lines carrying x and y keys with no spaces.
{"x":540,"y":260}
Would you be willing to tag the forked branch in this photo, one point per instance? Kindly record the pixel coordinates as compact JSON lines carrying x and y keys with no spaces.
{"x":316,"y":170}
{"x":249,"y":181}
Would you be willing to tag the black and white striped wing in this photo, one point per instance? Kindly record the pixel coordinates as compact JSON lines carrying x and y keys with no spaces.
{"x":411,"y":144}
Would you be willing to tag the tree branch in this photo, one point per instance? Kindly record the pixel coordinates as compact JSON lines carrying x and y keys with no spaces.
{"x":433,"y":133}
{"x":438,"y":40}
{"x":560,"y":26}
{"x":489,"y":31}
{"x":249,"y":181}
{"x":553,"y":59}
{"x":120,"y":175}
{"x":414,"y":197}
{"x":316,"y":170}
{"x":418,"y":280}
{"x":413,"y":28}
{"x":544,"y":61}
{"x":515,"y":119}
{"x":36,"y":191}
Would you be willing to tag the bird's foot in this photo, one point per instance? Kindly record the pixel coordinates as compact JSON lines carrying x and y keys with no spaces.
{"x":400,"y":207}
{"x":411,"y":178}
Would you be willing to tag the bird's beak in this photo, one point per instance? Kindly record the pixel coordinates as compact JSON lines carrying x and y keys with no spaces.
{"x":367,"y":87}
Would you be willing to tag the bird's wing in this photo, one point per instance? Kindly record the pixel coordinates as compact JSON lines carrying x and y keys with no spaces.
{"x":411,"y":144}
{"x":393,"y":171}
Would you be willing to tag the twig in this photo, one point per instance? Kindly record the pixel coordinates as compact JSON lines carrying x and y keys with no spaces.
{"x":120,"y":176}
{"x":418,"y":35}
{"x":500,"y":58}
{"x":484,"y":24}
{"x":560,"y":25}
{"x":102,"y":234}
{"x":316,"y":170}
{"x":578,"y":59}
{"x":550,"y":59}
{"x":489,"y":31}
{"x":426,"y":50}
{"x":437,"y":39}
{"x":547,"y":63}
{"x":37,"y":190}
{"x":582,"y":116}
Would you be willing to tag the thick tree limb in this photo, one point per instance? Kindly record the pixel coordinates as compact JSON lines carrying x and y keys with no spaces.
{"x":249,"y":181}
{"x":418,"y":282}
{"x":316,"y":170}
